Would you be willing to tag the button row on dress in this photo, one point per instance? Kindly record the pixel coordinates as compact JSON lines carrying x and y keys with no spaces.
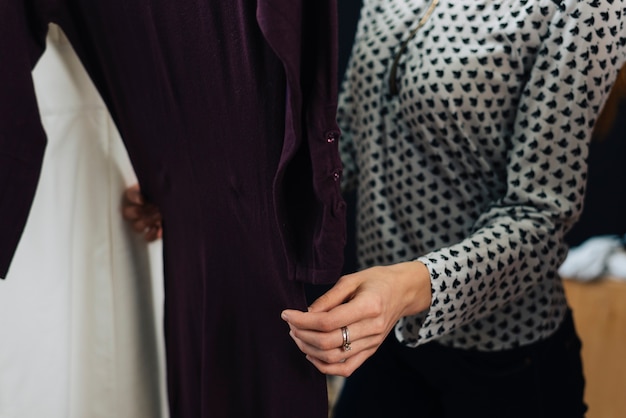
{"x":332,"y":136}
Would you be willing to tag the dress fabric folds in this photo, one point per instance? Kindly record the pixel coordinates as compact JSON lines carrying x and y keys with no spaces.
{"x":80,"y":311}
{"x":227,"y":111}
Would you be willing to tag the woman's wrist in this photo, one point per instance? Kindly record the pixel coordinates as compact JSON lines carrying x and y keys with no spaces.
{"x":414,"y":279}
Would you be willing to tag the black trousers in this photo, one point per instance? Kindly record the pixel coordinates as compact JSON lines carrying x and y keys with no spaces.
{"x":541,"y":380}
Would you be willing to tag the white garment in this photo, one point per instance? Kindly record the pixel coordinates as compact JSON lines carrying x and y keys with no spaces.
{"x":80,"y":310}
{"x":597,"y":257}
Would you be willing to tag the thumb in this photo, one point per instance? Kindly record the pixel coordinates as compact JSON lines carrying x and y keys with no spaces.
{"x":341,"y":292}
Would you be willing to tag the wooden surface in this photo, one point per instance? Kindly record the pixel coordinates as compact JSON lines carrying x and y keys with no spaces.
{"x":599,"y":309}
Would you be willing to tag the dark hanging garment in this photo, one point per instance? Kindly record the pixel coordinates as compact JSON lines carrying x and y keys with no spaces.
{"x":227,"y":109}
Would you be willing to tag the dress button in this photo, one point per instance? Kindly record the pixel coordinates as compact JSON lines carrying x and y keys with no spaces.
{"x":336,"y":175}
{"x":332,"y":136}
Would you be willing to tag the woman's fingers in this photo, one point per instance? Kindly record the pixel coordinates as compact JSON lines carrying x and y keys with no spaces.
{"x":359,"y":307}
{"x":320,"y":335}
{"x":369,"y":303}
{"x":131,"y":212}
{"x":333,"y":350}
{"x":132,"y":195}
{"x":342,"y":368}
{"x":144,"y":217}
{"x":326,"y":348}
{"x":331,"y":355}
{"x":333,"y":338}
{"x":153,"y":233}
{"x":341,"y":292}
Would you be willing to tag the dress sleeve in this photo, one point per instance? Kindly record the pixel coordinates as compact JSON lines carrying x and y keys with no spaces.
{"x":518,"y":241}
{"x":22,"y":138}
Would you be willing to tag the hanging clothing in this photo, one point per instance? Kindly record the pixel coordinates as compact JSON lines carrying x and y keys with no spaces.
{"x":227,"y":110}
{"x":81,"y":308}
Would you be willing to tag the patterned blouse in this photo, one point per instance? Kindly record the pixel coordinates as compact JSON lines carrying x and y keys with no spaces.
{"x":476,"y":167}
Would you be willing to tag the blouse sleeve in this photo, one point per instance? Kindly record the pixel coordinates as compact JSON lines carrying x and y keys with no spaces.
{"x":519,"y":240}
{"x":22,"y":138}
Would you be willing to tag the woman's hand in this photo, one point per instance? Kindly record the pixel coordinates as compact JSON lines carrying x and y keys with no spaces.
{"x":143,"y":216}
{"x":368,"y":303}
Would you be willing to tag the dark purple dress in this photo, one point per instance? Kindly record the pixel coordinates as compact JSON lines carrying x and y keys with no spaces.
{"x":227,"y":109}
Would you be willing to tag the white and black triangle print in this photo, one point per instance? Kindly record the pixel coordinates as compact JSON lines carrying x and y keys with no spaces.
{"x":477,"y":166}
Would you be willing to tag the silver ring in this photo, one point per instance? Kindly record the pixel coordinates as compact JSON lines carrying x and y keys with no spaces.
{"x":346,"y":339}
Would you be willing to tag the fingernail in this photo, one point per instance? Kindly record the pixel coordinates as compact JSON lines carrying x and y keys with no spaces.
{"x":284,"y":316}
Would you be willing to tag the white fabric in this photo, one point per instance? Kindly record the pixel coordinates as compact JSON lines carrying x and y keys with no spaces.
{"x":616,"y":264}
{"x":597,"y":257}
{"x":80,"y":310}
{"x":588,"y":261}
